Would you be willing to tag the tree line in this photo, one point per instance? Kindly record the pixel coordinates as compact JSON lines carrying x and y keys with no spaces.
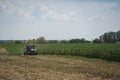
{"x":42,"y":40}
{"x":108,"y":37}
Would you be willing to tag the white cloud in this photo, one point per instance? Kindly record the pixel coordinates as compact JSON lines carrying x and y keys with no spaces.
{"x":7,"y":7}
{"x":93,"y":9}
{"x":50,"y":13}
{"x":24,"y":11}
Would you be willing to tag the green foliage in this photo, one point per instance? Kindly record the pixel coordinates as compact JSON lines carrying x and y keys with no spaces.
{"x":97,"y":40}
{"x":64,"y":41}
{"x":18,"y":42}
{"x":12,"y":42}
{"x":28,"y":41}
{"x":40,"y":40}
{"x":110,"y":52}
{"x":78,"y":40}
{"x":110,"y":37}
{"x":52,"y":41}
{"x":13,"y":49}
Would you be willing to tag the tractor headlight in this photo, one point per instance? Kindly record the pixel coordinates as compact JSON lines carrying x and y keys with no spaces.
{"x":33,"y":49}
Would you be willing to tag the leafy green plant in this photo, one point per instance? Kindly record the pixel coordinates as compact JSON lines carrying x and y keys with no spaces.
{"x":110,"y":52}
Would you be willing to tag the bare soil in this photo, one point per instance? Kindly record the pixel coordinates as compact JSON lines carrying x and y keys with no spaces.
{"x":46,"y":67}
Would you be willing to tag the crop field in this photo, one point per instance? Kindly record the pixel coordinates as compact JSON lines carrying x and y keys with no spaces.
{"x":12,"y":49}
{"x":61,"y":62}
{"x":109,"y":52}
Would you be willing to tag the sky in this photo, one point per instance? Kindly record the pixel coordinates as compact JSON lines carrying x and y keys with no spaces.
{"x":58,"y":19}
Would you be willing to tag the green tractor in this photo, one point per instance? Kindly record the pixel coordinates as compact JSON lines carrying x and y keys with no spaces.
{"x":30,"y":50}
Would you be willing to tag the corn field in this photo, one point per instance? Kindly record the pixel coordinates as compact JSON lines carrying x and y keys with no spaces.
{"x":109,"y":52}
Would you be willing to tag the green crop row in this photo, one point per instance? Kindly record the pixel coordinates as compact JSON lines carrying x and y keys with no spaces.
{"x":110,"y":52}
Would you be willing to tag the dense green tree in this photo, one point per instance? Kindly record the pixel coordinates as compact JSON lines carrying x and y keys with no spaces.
{"x":52,"y":41}
{"x":18,"y":42}
{"x":110,"y":37}
{"x":96,"y":40}
{"x":64,"y":41}
{"x":40,"y":40}
{"x":29,"y":41}
{"x":12,"y":42}
{"x":118,"y":36}
{"x":82,"y":40}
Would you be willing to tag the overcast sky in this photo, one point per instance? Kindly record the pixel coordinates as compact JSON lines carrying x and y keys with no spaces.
{"x":58,"y":19}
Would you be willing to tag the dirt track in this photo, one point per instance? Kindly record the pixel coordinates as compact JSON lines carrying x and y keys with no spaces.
{"x":56,"y":68}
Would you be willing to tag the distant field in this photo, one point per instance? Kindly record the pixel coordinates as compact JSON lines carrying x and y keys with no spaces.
{"x":109,"y":52}
{"x":54,"y":67}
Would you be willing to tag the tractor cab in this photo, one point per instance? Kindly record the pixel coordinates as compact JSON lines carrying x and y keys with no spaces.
{"x":30,"y":50}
